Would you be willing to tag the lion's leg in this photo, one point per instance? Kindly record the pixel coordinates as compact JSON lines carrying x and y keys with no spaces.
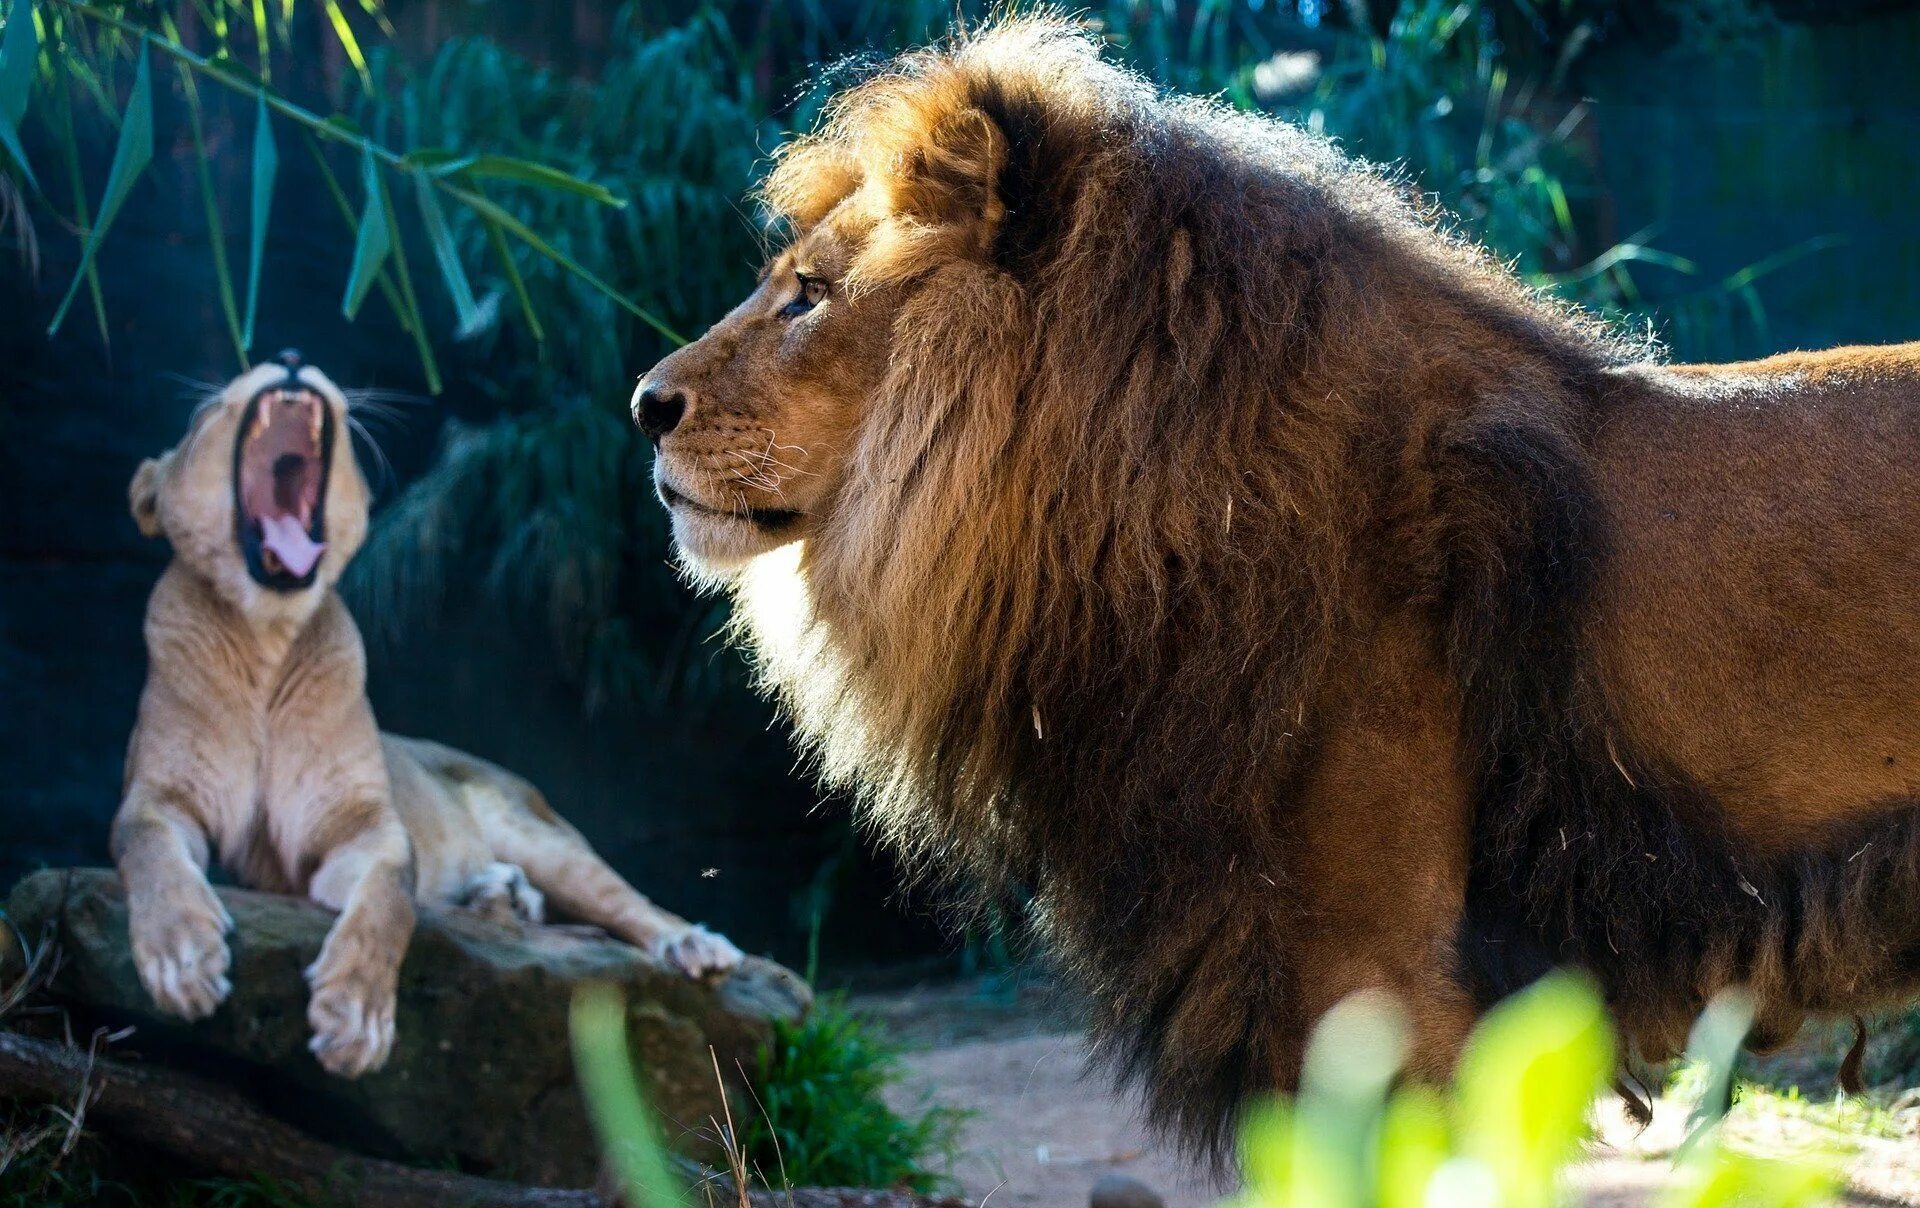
{"x":365,"y":874}
{"x":579,"y":884}
{"x":177,"y":923}
{"x":1383,"y":862}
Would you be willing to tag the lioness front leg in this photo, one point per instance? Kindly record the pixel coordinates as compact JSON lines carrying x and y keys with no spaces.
{"x":367,"y":880}
{"x":177,"y":923}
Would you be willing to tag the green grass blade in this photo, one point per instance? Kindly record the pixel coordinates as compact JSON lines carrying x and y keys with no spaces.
{"x":266,"y":164}
{"x":619,"y":1112}
{"x":498,"y":239}
{"x":131,"y":155}
{"x":19,"y":56}
{"x":447,"y":256}
{"x":372,"y":239}
{"x":216,"y":230}
{"x":526,"y":171}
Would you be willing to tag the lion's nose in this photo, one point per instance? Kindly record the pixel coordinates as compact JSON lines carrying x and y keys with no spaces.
{"x":658,"y":410}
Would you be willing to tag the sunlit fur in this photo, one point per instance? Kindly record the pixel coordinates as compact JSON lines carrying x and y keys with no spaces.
{"x":1236,"y":567}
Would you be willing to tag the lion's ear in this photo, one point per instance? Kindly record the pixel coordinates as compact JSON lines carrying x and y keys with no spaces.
{"x":953,"y":176}
{"x":143,"y":498}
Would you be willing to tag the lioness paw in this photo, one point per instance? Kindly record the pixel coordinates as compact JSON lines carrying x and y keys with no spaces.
{"x":696,"y":951}
{"x":501,"y":892}
{"x":350,"y":1011}
{"x":180,"y":949}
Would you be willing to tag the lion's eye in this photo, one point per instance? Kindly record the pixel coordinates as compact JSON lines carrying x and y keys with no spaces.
{"x":812,"y":292}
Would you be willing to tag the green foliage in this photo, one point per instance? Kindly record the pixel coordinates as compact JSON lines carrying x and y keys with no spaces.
{"x":1516,"y":1116}
{"x":822,"y":1119}
{"x":83,"y":46}
{"x":551,"y":509}
{"x":628,"y":1134}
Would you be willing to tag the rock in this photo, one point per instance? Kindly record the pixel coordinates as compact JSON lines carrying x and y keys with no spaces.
{"x":1119,"y":1191}
{"x":481,"y":1074}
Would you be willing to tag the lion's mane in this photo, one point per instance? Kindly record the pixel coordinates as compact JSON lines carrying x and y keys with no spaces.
{"x":1211,"y":397}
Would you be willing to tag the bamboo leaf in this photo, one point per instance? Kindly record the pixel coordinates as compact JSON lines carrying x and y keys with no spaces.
{"x":487,"y":209}
{"x":411,"y":316}
{"x":434,"y":219}
{"x":384,"y":279}
{"x":348,"y":42}
{"x":266,"y":164}
{"x":19,"y":55}
{"x":508,"y":167}
{"x":131,"y":155}
{"x":261,"y":39}
{"x":70,"y":154}
{"x":216,"y":230}
{"x":500,"y":249}
{"x":372,"y":240}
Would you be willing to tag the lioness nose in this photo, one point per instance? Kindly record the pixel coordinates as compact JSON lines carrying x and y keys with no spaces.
{"x":658,"y":410}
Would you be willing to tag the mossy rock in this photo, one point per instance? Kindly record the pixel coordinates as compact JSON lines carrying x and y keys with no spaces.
{"x":481,"y":1075}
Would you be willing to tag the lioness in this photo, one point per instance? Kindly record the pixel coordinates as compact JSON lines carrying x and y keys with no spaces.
{"x":1156,"y":515}
{"x":255,"y":741}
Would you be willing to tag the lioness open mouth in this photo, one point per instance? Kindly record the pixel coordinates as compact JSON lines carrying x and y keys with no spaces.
{"x":281,"y":460}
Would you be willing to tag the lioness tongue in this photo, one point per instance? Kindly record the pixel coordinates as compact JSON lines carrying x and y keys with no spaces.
{"x":290,"y":543}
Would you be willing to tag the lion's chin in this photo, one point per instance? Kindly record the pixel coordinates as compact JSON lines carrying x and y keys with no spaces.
{"x":718,"y":547}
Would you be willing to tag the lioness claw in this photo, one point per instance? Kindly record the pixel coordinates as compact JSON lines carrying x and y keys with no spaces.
{"x":698,"y":952}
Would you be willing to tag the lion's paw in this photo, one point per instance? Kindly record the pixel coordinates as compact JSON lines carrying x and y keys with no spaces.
{"x":180,"y":949}
{"x":501,"y":892}
{"x":697,"y":952}
{"x":350,"y":1011}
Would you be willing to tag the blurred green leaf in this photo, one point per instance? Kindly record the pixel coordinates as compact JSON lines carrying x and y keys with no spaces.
{"x":1714,"y":1046}
{"x":19,"y":56}
{"x":619,"y":1111}
{"x":1414,"y":1144}
{"x":266,"y":165}
{"x":131,"y":155}
{"x":373,"y":239}
{"x":1529,"y":1074}
{"x":410,"y":301}
{"x":1723,"y":1178}
{"x":348,"y":43}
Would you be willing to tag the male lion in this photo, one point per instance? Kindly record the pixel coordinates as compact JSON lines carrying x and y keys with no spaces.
{"x":1177,"y":527}
{"x":255,"y":740}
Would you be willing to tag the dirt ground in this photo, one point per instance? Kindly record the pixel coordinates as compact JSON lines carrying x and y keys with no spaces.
{"x":1044,"y":1128}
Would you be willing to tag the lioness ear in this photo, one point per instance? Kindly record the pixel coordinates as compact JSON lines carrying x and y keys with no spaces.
{"x":953,"y":177}
{"x":143,"y":498}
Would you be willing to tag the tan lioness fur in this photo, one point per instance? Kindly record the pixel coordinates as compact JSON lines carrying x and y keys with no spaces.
{"x":255,"y":745}
{"x":1170,"y":529}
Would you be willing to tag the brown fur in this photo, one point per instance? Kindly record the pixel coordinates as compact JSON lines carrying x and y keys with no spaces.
{"x":1162,"y":522}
